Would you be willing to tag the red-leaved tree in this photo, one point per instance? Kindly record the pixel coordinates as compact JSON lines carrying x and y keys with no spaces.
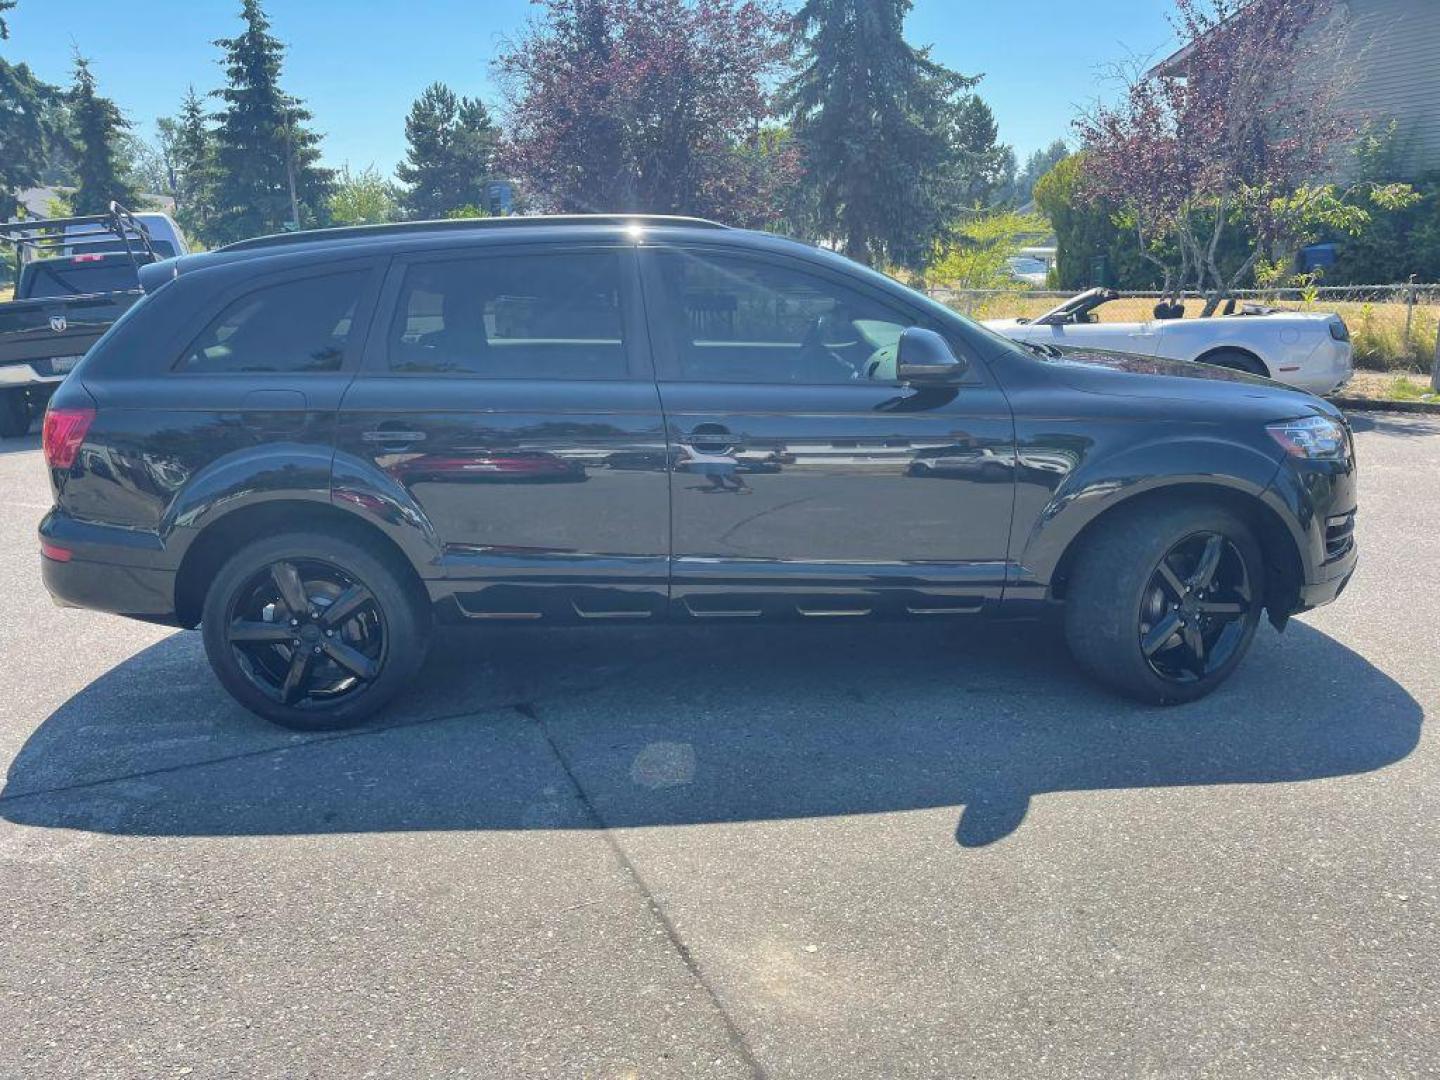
{"x":1234,"y":132}
{"x":655,"y":106}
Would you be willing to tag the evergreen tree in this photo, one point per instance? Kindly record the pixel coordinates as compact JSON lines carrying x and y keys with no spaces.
{"x":31,"y":127}
{"x":1037,"y":165}
{"x":99,"y":128}
{"x":192,"y":159}
{"x":981,"y":165}
{"x":267,"y":160}
{"x":451,"y":154}
{"x":877,"y":120}
{"x":30,"y":133}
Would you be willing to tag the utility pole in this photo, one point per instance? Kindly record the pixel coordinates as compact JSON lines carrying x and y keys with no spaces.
{"x":1435,"y":368}
{"x":290,"y":162}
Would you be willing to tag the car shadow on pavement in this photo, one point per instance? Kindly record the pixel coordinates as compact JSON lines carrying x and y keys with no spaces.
{"x":542,"y":729}
{"x":1395,"y":423}
{"x":16,"y":444}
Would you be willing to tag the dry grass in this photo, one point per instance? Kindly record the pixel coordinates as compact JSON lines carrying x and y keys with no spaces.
{"x":1377,"y":329}
{"x":1382,"y":386}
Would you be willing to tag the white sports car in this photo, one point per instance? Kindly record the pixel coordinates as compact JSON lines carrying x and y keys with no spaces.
{"x":1310,"y":350}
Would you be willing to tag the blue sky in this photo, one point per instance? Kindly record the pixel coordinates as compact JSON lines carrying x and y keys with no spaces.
{"x":359,"y":63}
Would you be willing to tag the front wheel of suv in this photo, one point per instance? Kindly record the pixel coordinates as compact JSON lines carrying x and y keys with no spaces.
{"x":1163,"y":602}
{"x":312,"y":631}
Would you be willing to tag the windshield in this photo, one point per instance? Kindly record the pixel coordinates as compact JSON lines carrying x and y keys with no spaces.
{"x":61,"y":277}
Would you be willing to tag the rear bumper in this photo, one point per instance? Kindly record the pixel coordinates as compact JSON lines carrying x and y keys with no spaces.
{"x":1329,"y":368}
{"x":108,"y":569}
{"x":123,"y":590}
{"x":39,"y":373}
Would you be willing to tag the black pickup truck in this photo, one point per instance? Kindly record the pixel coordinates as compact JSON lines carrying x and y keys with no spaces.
{"x":63,"y":303}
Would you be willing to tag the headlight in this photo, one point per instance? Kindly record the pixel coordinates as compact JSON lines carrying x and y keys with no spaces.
{"x":1315,"y":437}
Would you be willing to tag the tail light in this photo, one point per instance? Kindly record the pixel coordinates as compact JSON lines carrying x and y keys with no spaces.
{"x":63,"y":433}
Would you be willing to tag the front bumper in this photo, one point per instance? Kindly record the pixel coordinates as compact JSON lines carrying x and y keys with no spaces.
{"x":1315,"y":594}
{"x":1318,"y":500}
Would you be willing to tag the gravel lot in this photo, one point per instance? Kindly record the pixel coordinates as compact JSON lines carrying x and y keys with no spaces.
{"x":821,"y":851}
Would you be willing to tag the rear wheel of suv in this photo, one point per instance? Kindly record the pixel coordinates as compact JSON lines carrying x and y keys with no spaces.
{"x":14,"y":414}
{"x":313,"y":631}
{"x":1163,"y":602}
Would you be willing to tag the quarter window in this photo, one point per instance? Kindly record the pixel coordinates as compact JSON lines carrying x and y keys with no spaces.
{"x":513,"y":317}
{"x":302,"y":325}
{"x":741,"y":320}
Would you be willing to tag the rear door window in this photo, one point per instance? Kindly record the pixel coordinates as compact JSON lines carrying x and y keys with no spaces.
{"x":531,"y":316}
{"x":296,"y":326}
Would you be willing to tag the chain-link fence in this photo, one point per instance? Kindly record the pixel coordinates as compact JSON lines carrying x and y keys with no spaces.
{"x":1394,"y":327}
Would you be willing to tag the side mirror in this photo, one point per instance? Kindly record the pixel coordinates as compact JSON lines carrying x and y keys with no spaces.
{"x":925,"y":357}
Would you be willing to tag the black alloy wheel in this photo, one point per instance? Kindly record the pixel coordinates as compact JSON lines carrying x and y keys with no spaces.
{"x":314,"y":631}
{"x":306,"y":633}
{"x":1192,"y":618}
{"x":1164,"y":598}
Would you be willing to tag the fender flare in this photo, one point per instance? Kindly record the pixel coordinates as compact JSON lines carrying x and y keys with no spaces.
{"x":281,"y":472}
{"x":1146,"y":468}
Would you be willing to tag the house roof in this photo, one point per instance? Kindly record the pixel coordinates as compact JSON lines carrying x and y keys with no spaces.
{"x":37,"y":200}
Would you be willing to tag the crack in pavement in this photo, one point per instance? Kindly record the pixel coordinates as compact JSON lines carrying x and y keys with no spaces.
{"x":246,"y":755}
{"x":733,"y":1030}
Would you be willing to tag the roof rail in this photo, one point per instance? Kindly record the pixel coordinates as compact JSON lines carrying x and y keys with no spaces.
{"x":48,"y":238}
{"x":310,"y":236}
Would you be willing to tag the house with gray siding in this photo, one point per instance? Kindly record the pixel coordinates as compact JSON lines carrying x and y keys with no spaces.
{"x":1396,"y":53}
{"x":1392,"y":73}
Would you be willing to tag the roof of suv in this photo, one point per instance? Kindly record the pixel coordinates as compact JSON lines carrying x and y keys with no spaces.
{"x":323,"y":244}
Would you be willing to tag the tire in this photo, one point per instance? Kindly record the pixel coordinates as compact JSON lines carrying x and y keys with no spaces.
{"x":1121,"y":601}
{"x":381,"y":635}
{"x":14,"y":414}
{"x":1237,"y":360}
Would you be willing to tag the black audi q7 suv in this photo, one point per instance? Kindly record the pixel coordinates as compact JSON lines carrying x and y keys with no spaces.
{"x":315,"y":446}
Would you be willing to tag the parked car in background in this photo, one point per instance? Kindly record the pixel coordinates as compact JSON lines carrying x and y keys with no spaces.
{"x":315,"y":446}
{"x":1027,"y":268}
{"x":1310,"y":350}
{"x":67,"y":294}
{"x":166,"y":239}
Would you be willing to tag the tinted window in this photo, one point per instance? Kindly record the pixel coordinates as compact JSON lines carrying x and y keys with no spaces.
{"x":163,"y":248}
{"x":300,"y":325}
{"x":513,"y":317}
{"x":742,"y":320}
{"x":64,"y":278}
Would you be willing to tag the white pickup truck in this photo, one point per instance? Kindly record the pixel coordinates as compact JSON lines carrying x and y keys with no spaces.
{"x":1310,"y":350}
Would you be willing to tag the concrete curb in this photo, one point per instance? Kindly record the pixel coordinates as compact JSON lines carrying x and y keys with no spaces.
{"x":1369,"y":405}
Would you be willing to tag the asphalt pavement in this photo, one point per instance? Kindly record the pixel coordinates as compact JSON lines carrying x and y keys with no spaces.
{"x":800,"y":851}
